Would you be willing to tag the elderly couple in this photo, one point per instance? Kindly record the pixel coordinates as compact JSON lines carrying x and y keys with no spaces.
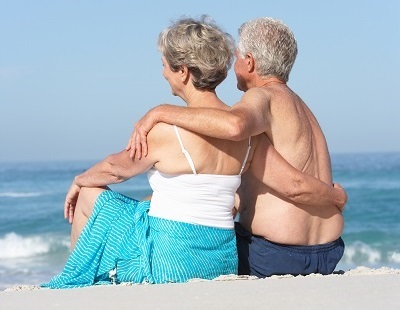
{"x":265,"y":157}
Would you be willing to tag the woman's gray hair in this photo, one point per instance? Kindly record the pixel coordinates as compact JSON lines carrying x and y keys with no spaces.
{"x":202,"y":46}
{"x":272,"y":45}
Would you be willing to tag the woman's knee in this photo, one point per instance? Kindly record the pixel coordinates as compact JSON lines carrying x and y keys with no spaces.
{"x":87,"y":197}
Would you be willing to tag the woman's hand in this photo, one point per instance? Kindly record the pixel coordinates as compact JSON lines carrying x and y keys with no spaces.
{"x":70,"y":202}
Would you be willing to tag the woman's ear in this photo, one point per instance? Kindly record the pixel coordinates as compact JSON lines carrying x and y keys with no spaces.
{"x":184,"y":71}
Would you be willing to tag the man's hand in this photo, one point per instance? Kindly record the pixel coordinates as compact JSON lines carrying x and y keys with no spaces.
{"x":70,"y":202}
{"x":137,"y":143}
{"x":343,"y":195}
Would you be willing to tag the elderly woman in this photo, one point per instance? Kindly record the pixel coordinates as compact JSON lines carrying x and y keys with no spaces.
{"x":187,"y":230}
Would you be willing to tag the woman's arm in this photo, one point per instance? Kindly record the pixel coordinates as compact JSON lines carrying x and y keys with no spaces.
{"x":119,"y":167}
{"x":116,"y":168}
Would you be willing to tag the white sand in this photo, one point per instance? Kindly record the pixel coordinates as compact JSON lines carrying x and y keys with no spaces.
{"x":360,"y":288}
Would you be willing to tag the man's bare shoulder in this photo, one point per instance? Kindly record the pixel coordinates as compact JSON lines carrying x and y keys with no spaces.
{"x":257,"y":91}
{"x":256,"y":99}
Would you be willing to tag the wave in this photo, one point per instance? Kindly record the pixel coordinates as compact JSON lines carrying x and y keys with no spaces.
{"x":21,"y":194}
{"x":16,"y":246}
{"x":394,"y":257}
{"x":13,"y":245}
{"x":359,"y":253}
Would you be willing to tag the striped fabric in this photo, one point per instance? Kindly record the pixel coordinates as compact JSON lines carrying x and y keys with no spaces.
{"x":121,"y":243}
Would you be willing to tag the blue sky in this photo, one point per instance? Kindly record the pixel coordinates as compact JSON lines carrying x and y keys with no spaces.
{"x":75,"y":75}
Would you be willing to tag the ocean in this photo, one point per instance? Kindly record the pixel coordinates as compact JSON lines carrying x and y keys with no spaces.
{"x":34,"y":237}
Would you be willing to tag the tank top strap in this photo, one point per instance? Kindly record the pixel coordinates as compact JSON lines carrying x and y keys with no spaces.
{"x":186,"y":153}
{"x":247,"y":156}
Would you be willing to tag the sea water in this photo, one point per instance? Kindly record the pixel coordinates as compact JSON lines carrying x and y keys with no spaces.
{"x":34,"y":236}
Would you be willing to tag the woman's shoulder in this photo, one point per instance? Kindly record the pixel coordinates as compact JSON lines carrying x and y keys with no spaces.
{"x":159,"y":139}
{"x":160,"y":131}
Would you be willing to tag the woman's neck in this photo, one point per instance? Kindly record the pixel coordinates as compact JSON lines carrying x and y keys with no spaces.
{"x":203,"y":99}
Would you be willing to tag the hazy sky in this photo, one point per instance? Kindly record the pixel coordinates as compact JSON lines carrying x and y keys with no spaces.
{"x":75,"y":75}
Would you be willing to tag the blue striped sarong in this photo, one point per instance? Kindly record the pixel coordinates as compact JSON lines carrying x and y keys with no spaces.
{"x":120,"y":236}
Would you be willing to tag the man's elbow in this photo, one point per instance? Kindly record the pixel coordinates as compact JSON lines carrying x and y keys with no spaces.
{"x":295,"y":192}
{"x":237,"y":129}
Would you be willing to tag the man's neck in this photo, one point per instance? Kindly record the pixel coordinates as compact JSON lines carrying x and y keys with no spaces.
{"x":267,"y":81}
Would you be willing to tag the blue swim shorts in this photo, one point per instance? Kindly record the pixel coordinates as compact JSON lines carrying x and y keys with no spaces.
{"x":262,"y":258}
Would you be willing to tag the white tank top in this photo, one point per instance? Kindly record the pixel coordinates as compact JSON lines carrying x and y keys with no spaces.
{"x":204,"y":199}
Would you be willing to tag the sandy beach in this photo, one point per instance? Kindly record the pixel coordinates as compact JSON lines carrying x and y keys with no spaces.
{"x":360,"y":288}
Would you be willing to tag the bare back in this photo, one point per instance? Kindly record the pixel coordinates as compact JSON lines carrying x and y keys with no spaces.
{"x":210,"y":155}
{"x":297,"y":136}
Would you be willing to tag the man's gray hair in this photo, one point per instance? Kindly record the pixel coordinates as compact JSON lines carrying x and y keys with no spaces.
{"x":272,"y":45}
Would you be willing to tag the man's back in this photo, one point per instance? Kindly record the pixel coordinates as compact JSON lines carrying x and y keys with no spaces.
{"x":296,"y":135}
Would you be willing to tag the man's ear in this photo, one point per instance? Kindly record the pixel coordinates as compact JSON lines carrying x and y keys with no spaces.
{"x":251,"y":66}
